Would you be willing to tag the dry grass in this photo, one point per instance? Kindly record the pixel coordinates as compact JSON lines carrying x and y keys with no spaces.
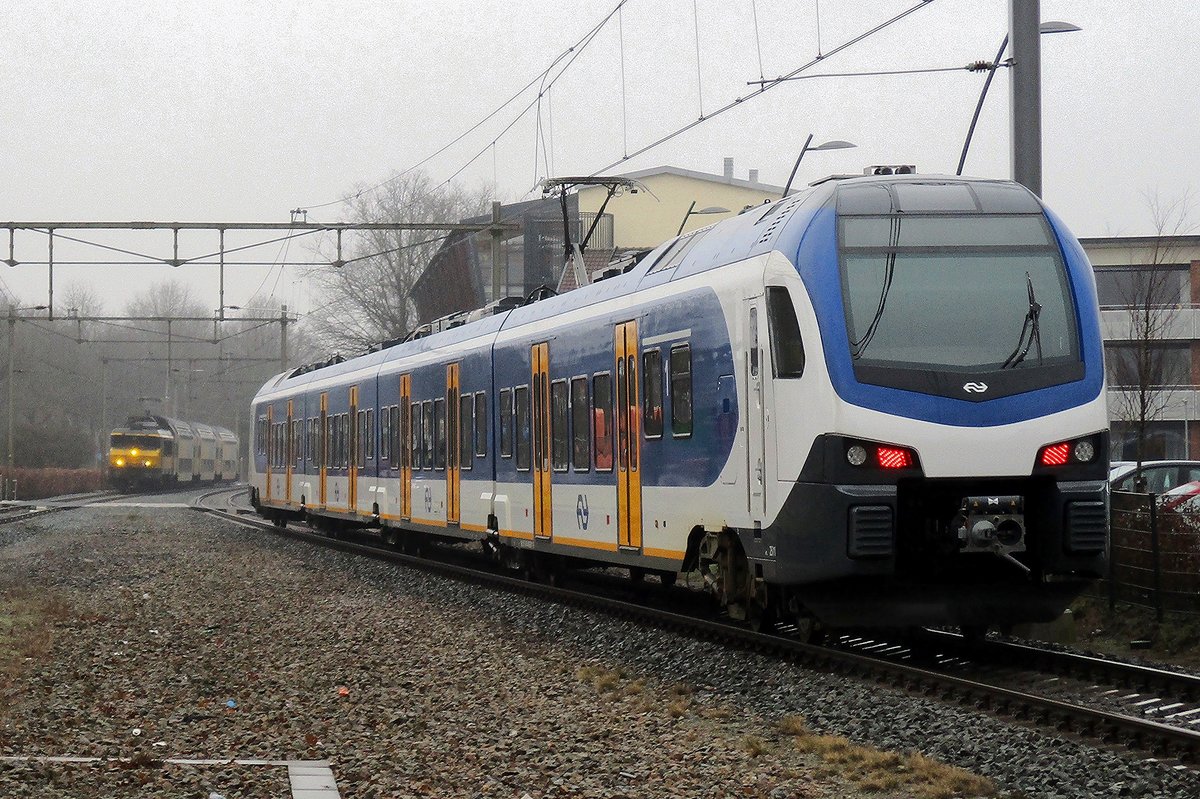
{"x":26,"y":629}
{"x":754,"y":746}
{"x":875,"y":771}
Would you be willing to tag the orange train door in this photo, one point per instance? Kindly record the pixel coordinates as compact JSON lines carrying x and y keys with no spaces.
{"x":290,"y":433}
{"x":543,"y":526}
{"x":453,"y":431}
{"x":270,"y":448}
{"x":323,"y":457}
{"x":405,"y":415}
{"x":629,"y":439}
{"x":352,"y":461}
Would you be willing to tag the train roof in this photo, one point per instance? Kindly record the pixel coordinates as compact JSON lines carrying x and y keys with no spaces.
{"x":757,"y":230}
{"x":151,"y":423}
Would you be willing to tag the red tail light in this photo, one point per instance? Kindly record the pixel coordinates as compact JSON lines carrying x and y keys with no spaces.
{"x":1055,"y":454}
{"x":894,"y":457}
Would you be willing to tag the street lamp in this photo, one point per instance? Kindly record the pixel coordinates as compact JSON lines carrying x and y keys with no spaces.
{"x":1045,"y":27}
{"x":712,"y":209}
{"x":833,"y":144}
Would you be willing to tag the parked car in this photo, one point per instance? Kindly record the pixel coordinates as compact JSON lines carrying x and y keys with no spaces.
{"x":1159,"y":476}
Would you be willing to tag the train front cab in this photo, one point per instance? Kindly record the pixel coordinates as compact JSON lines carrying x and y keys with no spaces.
{"x":969,"y":489}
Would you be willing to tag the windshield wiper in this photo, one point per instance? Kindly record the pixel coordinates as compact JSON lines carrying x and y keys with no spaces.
{"x":1030,"y":326}
{"x":857,"y":348}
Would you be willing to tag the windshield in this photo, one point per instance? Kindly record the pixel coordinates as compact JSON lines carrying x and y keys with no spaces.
{"x":128,"y":441}
{"x":955,"y":293}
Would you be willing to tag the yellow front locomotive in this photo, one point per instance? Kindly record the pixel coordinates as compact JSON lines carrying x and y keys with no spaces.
{"x":142,"y":453}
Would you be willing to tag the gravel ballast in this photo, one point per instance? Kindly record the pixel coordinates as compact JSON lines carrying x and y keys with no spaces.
{"x":190,"y":637}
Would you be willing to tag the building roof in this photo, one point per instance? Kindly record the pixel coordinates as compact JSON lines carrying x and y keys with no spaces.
{"x":1100,"y":242}
{"x":694,"y":175}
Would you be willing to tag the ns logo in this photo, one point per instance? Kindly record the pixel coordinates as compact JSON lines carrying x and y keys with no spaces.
{"x":975,"y":388}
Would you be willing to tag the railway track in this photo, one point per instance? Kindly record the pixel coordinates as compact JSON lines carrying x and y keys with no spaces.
{"x":1157,"y":711}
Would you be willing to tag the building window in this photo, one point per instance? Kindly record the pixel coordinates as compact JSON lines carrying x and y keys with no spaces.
{"x":1163,"y":364}
{"x":1138,"y":286}
{"x":681,"y":391}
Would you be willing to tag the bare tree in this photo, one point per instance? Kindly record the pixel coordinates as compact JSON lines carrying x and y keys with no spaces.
{"x":1143,"y":368}
{"x":368,"y":300}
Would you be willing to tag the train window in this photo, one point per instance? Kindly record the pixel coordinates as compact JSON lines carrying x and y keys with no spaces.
{"x":466,"y":418}
{"x":360,"y":439}
{"x":581,"y":426}
{"x":439,"y":423}
{"x":787,"y":350}
{"x":370,"y":433}
{"x":298,"y":440}
{"x":385,"y":433}
{"x":504,"y":414}
{"x":754,"y":342}
{"x":427,"y":454}
{"x":652,"y":393}
{"x":681,"y":390}
{"x":524,"y":431}
{"x":332,"y":441}
{"x":414,"y":432}
{"x":399,"y":440}
{"x":481,"y":417}
{"x":602,"y":421}
{"x":559,"y":448}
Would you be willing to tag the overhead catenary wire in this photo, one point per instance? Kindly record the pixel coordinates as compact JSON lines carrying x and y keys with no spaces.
{"x":699,"y":82}
{"x":757,"y":39}
{"x":972,"y":67}
{"x":570,"y":52}
{"x":764,"y":88}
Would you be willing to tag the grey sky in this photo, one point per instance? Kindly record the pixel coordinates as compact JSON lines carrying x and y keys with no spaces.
{"x":243,"y":110}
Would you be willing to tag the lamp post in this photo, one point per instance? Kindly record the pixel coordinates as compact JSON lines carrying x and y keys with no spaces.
{"x":712,"y":209}
{"x":833,"y":144}
{"x":12,"y":338}
{"x":1045,"y":27}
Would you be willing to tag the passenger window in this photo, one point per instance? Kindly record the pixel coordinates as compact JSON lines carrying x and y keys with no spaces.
{"x":521,"y":410}
{"x":558,"y":425}
{"x":581,"y":426}
{"x":787,"y":350}
{"x":370,"y":434}
{"x":427,"y":455}
{"x":481,"y":420}
{"x":385,"y":434}
{"x":466,"y":419}
{"x":415,"y":434}
{"x":602,"y":405}
{"x":652,"y":393}
{"x":681,"y":391}
{"x":439,"y":424}
{"x":504,"y":414}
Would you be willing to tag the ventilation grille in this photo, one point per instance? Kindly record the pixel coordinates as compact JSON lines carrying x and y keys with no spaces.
{"x":871,"y":532}
{"x":1087,"y":526}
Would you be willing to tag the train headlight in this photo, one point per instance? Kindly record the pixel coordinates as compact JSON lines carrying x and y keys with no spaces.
{"x":120,"y":461}
{"x":1084,"y":451}
{"x":133,"y":453}
{"x":856,"y":455}
{"x":146,"y":462}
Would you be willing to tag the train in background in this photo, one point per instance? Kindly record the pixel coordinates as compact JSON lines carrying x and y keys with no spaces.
{"x":877,"y":402}
{"x":158,"y":451}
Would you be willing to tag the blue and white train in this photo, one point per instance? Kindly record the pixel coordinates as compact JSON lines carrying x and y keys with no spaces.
{"x":876,"y":402}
